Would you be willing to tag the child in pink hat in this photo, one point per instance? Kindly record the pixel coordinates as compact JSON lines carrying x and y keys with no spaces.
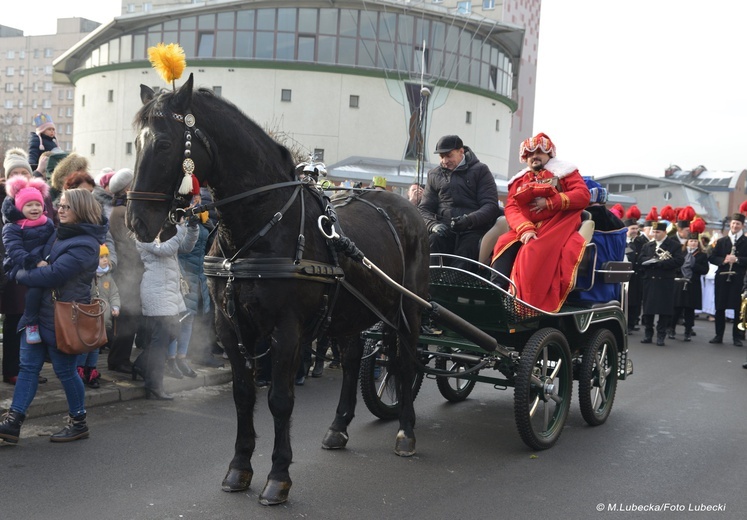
{"x":26,"y":232}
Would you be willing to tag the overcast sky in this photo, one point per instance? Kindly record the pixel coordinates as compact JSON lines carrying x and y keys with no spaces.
{"x":622,"y":86}
{"x":636,"y":85}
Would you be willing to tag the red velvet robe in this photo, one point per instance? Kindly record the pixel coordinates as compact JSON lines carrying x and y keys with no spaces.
{"x":545,"y":268}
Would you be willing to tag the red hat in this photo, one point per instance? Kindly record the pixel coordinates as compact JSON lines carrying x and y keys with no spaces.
{"x":667,"y":213}
{"x":743,"y":207}
{"x":652,"y":216}
{"x":531,"y":144}
{"x":684,"y":216}
{"x":697,"y":225}
{"x":632,"y":215}
{"x":618,"y":210}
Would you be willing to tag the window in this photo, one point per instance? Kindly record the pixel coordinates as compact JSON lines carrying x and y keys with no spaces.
{"x":48,"y":70}
{"x":93,"y":148}
{"x":354,"y":101}
{"x":497,"y":125}
{"x":128,"y":148}
{"x":68,"y":129}
{"x":47,"y":103}
{"x":60,"y":95}
{"x":8,"y":104}
{"x":69,"y":111}
{"x":206,"y":45}
{"x":9,"y":87}
{"x":83,"y":100}
{"x":70,"y":94}
{"x":110,"y":96}
{"x":11,"y":55}
{"x":48,"y":86}
{"x":147,"y":7}
{"x":218,"y":90}
{"x":130,"y":8}
{"x":48,"y":53}
{"x":468,"y":119}
{"x":488,"y":4}
{"x":319,"y":154}
{"x":464,"y":7}
{"x":9,"y":71}
{"x":285,"y":94}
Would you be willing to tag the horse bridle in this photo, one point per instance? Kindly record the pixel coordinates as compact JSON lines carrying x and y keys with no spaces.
{"x":178,"y":200}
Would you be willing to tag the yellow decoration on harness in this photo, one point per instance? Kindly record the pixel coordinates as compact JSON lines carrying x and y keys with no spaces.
{"x":168,"y":60}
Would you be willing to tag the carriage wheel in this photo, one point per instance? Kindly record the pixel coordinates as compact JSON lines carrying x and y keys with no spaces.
{"x":378,"y":385}
{"x":597,"y":382}
{"x":453,"y":389}
{"x":543,"y":389}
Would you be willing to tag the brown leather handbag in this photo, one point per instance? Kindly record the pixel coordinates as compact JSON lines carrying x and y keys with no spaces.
{"x":79,"y":327}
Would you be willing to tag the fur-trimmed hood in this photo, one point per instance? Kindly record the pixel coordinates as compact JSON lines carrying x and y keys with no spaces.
{"x":71,"y":163}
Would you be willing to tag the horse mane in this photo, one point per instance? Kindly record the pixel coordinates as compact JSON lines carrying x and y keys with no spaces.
{"x":225,"y":123}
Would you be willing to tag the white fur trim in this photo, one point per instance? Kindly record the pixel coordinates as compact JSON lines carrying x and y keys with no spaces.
{"x":558,"y":168}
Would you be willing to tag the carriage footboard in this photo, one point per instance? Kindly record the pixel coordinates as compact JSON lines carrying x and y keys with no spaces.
{"x":461,"y":326}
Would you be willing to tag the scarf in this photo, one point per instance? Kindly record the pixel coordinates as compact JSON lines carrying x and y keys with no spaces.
{"x":687,"y":267}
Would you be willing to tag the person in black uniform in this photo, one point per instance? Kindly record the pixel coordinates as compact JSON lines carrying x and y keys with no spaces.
{"x":688,"y":292}
{"x":730,"y":255}
{"x":659,"y":262}
{"x":635,"y":241}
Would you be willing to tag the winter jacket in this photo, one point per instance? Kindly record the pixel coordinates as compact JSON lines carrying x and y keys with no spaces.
{"x":129,"y":271}
{"x":467,"y":190}
{"x":73,"y":256}
{"x":103,"y":287}
{"x":197,"y":299}
{"x":34,"y":150}
{"x":160,"y":291}
{"x":23,"y":245}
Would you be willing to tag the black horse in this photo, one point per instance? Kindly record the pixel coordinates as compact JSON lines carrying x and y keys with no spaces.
{"x":275,"y":268}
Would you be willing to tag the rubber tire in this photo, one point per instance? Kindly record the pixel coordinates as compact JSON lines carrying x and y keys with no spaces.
{"x":380,"y":395}
{"x":453,"y":389}
{"x":541,"y":435}
{"x":589,"y":391}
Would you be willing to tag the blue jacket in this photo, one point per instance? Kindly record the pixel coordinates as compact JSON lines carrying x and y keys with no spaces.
{"x":197,"y":299}
{"x":23,"y":246}
{"x":34,"y":150}
{"x":73,"y":255}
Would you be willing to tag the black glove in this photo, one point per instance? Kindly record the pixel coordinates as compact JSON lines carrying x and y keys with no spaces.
{"x":461,"y":223}
{"x":440,"y":229}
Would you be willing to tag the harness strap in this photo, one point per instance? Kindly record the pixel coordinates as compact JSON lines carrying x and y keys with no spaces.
{"x":274,"y":268}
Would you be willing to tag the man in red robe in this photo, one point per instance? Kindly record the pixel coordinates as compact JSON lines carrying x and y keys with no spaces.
{"x":542,"y":249}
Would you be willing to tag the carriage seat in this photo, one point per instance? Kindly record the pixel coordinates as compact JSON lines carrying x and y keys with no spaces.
{"x":501,"y":226}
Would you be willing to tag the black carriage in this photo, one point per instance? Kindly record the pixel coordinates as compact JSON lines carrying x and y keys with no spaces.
{"x":537,"y":353}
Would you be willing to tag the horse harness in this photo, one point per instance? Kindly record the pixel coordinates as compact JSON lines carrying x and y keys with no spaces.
{"x":274,"y":268}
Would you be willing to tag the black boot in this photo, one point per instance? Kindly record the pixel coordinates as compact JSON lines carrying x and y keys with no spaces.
{"x":10,"y":427}
{"x":660,"y":340}
{"x":76,"y":429}
{"x":172,"y":370}
{"x":184,"y":368}
{"x":318,"y":369}
{"x":648,"y":335}
{"x":688,"y":335}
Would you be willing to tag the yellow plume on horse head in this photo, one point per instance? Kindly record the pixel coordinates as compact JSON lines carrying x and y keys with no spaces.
{"x":169,"y":60}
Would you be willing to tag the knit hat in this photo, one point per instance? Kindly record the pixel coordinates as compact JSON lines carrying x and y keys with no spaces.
{"x":24,"y":190}
{"x":652,"y":216}
{"x":684,"y":216}
{"x":121,"y":180}
{"x":597,"y":192}
{"x":632,"y":215}
{"x":103,"y":250}
{"x":105,"y":176}
{"x":42,"y":122}
{"x":16,"y":158}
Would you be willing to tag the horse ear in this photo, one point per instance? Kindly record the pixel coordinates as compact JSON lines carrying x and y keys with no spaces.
{"x":146,"y":93}
{"x":183,"y":97}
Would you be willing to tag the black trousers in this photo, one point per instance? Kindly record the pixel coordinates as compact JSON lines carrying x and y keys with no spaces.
{"x":466,"y":244}
{"x":120,"y":348}
{"x":661,"y":325}
{"x":721,"y":324}
{"x":688,"y":314}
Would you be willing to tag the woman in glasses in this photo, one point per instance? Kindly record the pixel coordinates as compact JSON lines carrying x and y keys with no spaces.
{"x":73,"y":256}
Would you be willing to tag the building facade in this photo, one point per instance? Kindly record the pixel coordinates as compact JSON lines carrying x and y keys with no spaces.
{"x":342,"y":79}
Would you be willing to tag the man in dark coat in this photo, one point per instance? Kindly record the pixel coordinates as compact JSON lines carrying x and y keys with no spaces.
{"x":730,"y":255}
{"x":659,"y":262}
{"x":460,"y":201}
{"x":688,"y":292}
{"x":635,"y":242}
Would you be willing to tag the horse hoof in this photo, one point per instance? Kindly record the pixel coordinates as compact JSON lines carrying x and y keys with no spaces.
{"x":404,"y":446}
{"x":275,"y":492}
{"x":335,"y":440}
{"x":237,"y":480}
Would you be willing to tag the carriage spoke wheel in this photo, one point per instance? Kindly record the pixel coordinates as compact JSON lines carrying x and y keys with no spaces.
{"x":543,"y":388}
{"x":378,"y":383}
{"x":454,"y":389}
{"x":597,"y":382}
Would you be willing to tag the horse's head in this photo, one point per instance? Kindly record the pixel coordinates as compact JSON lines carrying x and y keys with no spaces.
{"x":169,"y":145}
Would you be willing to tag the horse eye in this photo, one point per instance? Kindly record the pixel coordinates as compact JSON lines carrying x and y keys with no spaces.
{"x":163,"y":145}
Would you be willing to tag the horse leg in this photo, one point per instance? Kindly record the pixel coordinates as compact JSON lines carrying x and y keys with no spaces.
{"x":351,"y":351}
{"x":405,"y":377}
{"x":286,"y":356}
{"x":240,"y":472}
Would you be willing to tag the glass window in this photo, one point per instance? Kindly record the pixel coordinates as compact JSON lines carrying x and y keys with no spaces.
{"x":306,"y":45}
{"x":128,"y":148}
{"x":188,"y":42}
{"x":347,"y":51}
{"x":266,"y":19}
{"x":464,"y":7}
{"x":206,"y":22}
{"x":224,"y":44}
{"x":245,"y":20}
{"x":206,"y":46}
{"x":125,"y":48}
{"x":225,"y":20}
{"x":386,"y":53}
{"x":422,"y":30}
{"x":285,"y":94}
{"x":218,"y":90}
{"x":354,"y":101}
{"x":114,"y":50}
{"x":244,"y":44}
{"x":307,"y":20}
{"x":387,"y":26}
{"x":265,"y":45}
{"x":170,"y":37}
{"x":171,"y":25}
{"x":287,"y":19}
{"x":286,"y":43}
{"x":488,"y":4}
{"x":404,"y":56}
{"x":405,"y":28}
{"x":348,"y":23}
{"x":367,"y":53}
{"x":319,"y":154}
{"x":468,"y":118}
{"x":189,"y":23}
{"x":327,"y":49}
{"x":368,"y":25}
{"x":328,"y":21}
